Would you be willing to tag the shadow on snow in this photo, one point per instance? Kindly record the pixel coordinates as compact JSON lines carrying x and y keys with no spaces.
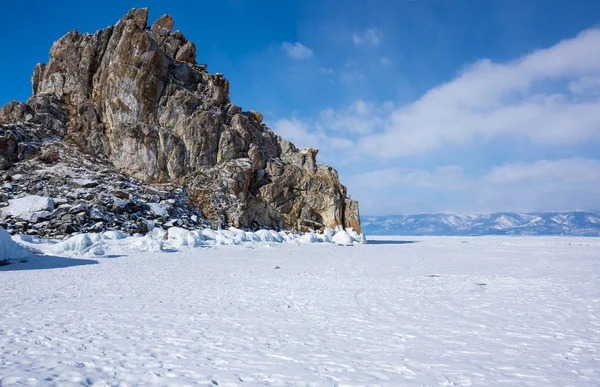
{"x":389,"y":242}
{"x":44,"y":262}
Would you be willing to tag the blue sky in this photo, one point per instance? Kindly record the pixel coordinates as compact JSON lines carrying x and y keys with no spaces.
{"x":421,"y":105}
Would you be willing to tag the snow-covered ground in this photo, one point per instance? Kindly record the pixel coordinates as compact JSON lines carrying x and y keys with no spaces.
{"x":483,"y":311}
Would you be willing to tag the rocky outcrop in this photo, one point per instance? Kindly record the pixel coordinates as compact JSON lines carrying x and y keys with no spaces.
{"x":83,"y":193}
{"x":134,"y":96}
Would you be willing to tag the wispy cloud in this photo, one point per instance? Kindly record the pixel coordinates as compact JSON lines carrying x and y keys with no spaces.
{"x":360,"y":117}
{"x":384,"y":61}
{"x":297,"y":131}
{"x":352,"y":77}
{"x":368,"y":37}
{"x":549,"y":99}
{"x":305,"y":134}
{"x":545,"y":185}
{"x":528,"y":98}
{"x":297,"y":50}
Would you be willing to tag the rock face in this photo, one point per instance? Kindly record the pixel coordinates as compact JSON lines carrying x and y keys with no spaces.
{"x":62,"y":191}
{"x":135,"y":97}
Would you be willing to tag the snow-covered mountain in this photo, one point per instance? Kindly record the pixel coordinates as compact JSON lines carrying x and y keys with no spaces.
{"x":579,"y":223}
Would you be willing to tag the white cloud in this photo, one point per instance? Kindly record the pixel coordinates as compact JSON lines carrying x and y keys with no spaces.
{"x":302,"y":134}
{"x":297,"y":50}
{"x":550,"y":98}
{"x":297,"y":132}
{"x":545,"y":185}
{"x":353,"y":77}
{"x":360,"y":117}
{"x":523,"y":98}
{"x":368,"y":37}
{"x":326,"y":70}
{"x":571,"y":171}
{"x":585,"y":85}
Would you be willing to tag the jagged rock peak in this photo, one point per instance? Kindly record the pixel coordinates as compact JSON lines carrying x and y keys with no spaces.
{"x":135,"y":96}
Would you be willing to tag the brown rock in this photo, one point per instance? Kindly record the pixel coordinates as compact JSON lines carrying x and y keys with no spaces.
{"x":134,"y":96}
{"x":163,"y":25}
{"x":15,"y":111}
{"x":187,"y":53}
{"x":257,"y":115}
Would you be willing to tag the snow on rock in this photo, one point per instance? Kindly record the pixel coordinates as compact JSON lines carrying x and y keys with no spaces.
{"x":99,"y":197}
{"x":9,"y":249}
{"x":26,"y":207}
{"x":158,"y":209}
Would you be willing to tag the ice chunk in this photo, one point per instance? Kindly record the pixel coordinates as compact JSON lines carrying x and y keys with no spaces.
{"x":329,"y":233}
{"x":252,"y":237}
{"x":342,"y":238}
{"x":76,"y":243}
{"x":179,"y":237}
{"x":10,"y":249}
{"x":356,"y":236}
{"x":268,"y":236}
{"x":113,"y":235}
{"x":324,"y":237}
{"x":238,"y":236}
{"x":224,"y":237}
{"x":309,"y":237}
{"x":146,"y":243}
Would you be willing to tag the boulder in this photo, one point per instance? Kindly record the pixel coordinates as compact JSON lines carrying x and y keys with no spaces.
{"x":187,"y":53}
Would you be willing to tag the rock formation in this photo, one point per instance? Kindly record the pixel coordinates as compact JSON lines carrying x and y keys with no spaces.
{"x":134,"y":98}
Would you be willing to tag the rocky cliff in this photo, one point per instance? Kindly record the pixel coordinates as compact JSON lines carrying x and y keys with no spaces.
{"x":133,"y":97}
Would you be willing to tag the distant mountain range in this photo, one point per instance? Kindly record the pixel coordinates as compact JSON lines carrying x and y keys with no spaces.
{"x":577,"y":223}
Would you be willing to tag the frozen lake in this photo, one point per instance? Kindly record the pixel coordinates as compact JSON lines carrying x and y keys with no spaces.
{"x":398,"y":311}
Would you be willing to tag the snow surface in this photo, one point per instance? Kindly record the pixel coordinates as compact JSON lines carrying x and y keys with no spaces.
{"x":397,"y":311}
